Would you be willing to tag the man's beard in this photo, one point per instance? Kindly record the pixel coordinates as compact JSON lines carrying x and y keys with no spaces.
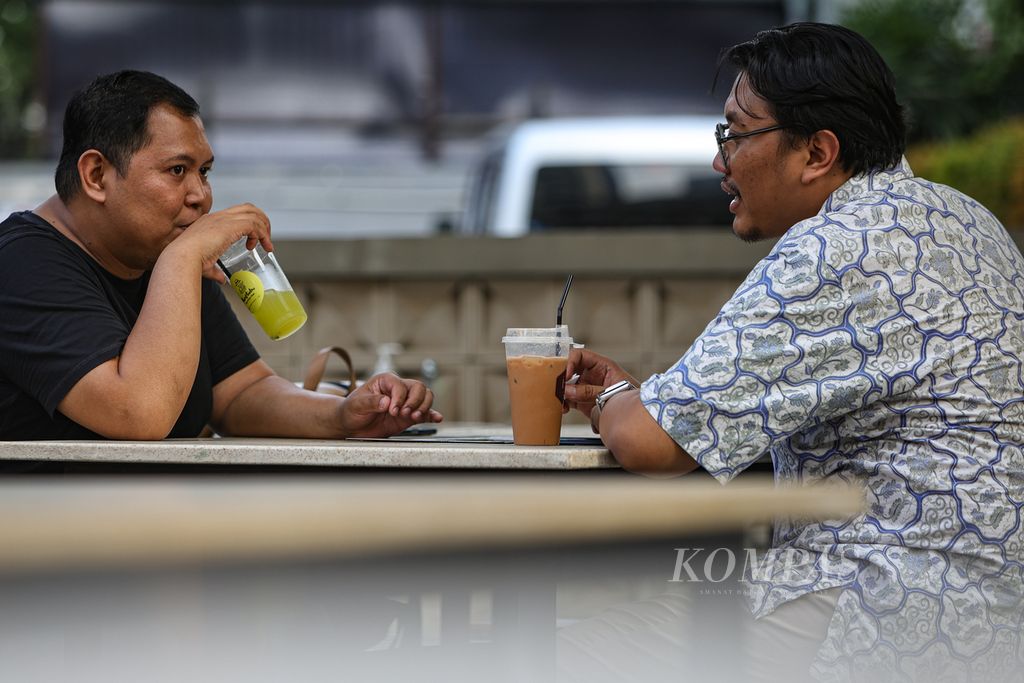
{"x":750,"y":236}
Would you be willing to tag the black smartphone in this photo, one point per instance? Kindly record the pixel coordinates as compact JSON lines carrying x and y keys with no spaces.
{"x":419,"y":430}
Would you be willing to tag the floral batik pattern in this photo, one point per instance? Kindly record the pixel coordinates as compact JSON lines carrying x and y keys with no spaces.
{"x":879,"y":344}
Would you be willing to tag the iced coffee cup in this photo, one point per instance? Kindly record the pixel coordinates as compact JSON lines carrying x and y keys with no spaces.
{"x":262,"y":286}
{"x":536,"y":359}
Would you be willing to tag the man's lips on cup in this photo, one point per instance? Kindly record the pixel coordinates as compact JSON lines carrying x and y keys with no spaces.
{"x":187,"y":222}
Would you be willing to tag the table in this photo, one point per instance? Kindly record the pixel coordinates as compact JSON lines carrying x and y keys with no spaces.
{"x":228,"y":578}
{"x":430,"y":453}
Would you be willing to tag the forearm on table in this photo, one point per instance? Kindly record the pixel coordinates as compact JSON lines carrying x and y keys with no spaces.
{"x":638,"y":442}
{"x":273,"y":406}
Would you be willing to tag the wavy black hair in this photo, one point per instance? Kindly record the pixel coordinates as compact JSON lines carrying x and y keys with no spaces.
{"x":110,"y":115}
{"x":825,"y":77}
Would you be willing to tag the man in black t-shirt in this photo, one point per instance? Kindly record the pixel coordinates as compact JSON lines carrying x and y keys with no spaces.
{"x":112,"y":323}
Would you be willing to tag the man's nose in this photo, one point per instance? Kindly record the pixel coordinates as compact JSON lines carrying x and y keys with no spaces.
{"x":198,"y":191}
{"x":719,"y":164}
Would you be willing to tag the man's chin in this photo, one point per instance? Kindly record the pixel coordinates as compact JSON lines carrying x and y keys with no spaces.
{"x":747,"y":233}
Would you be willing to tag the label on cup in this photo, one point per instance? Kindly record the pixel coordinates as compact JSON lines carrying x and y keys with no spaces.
{"x":249,"y":288}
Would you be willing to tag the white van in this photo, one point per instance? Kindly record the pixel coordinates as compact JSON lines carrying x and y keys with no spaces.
{"x":611,"y":172}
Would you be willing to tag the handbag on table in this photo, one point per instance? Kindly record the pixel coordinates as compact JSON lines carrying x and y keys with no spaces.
{"x":314,"y":380}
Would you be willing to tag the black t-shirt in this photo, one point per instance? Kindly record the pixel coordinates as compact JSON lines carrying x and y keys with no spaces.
{"x":62,"y":314}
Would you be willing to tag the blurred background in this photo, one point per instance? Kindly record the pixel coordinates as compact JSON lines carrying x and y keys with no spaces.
{"x":433,"y":170}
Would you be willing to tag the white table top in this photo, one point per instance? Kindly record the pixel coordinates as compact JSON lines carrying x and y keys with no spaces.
{"x":425,"y":452}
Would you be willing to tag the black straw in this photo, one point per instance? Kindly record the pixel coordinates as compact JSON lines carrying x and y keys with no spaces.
{"x":561,"y":304}
{"x":227,"y":273}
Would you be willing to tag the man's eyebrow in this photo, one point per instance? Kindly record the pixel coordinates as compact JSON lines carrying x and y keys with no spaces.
{"x":741,"y":116}
{"x":188,"y":159}
{"x":736,"y":116}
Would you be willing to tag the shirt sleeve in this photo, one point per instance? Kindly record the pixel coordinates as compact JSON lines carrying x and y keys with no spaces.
{"x":56,"y":322}
{"x":797,"y":345}
{"x":228,"y":346}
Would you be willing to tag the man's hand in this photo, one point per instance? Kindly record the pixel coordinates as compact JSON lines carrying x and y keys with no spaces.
{"x":387,"y":404}
{"x":256,"y":402}
{"x":211,"y":235}
{"x":596,"y":374}
{"x":634,"y":437}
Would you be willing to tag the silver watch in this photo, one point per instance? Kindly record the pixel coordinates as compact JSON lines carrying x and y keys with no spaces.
{"x":617,"y":388}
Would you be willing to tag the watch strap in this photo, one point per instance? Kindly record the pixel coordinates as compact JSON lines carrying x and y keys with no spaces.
{"x":612,"y":390}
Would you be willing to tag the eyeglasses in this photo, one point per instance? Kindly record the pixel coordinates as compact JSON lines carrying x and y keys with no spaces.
{"x":722,"y":136}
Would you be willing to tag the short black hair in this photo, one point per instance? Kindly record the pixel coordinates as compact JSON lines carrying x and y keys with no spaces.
{"x":826,"y":77}
{"x":110,"y":115}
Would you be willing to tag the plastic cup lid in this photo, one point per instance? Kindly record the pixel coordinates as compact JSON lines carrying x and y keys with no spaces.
{"x":537,"y":340}
{"x":539,"y":335}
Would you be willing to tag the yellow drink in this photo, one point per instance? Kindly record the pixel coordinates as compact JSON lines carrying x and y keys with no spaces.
{"x":280,"y":313}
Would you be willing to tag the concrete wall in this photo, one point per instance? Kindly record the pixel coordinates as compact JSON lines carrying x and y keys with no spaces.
{"x":639,"y":297}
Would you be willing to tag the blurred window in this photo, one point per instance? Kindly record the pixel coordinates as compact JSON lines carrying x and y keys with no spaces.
{"x":602,"y":196}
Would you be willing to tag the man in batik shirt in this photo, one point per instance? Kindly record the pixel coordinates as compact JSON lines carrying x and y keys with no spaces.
{"x":879,"y":344}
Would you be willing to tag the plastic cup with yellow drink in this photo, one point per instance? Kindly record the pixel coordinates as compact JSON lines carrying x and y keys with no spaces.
{"x":260,"y":283}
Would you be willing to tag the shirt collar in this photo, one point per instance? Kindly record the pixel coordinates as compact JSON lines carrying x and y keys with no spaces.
{"x":860,"y":185}
{"x":850,"y":191}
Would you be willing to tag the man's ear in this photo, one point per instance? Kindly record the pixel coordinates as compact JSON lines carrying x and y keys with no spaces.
{"x":822,"y":156}
{"x":92,"y":172}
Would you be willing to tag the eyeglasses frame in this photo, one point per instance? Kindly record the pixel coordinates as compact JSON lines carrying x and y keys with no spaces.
{"x":722,"y":139}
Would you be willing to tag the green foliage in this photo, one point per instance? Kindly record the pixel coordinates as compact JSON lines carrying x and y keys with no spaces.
{"x":18,"y":116}
{"x":988,"y":166}
{"x":957,"y":63}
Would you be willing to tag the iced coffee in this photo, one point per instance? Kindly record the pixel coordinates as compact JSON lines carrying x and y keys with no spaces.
{"x":536,"y":359}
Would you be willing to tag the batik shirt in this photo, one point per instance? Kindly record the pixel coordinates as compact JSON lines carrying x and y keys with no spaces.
{"x":879,"y":344}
